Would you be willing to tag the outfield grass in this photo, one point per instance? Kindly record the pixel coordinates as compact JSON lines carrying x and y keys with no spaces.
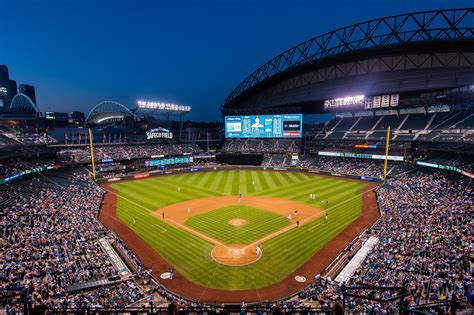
{"x":259,"y":223}
{"x":190,"y":255}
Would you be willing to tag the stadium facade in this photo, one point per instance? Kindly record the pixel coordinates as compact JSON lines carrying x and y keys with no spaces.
{"x":411,"y":55}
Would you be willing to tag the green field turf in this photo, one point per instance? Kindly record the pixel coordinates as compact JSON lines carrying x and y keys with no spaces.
{"x":259,"y":223}
{"x":190,"y":255}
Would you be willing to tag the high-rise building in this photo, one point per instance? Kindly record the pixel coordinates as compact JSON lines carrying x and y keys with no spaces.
{"x":28,"y":90}
{"x":13,"y":88}
{"x":6,"y":90}
{"x":76,"y":118}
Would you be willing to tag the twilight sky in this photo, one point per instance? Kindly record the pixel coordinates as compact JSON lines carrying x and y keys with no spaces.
{"x":81,"y":52}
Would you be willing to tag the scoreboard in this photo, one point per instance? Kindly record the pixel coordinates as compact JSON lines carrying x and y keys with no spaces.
{"x":264,"y":126}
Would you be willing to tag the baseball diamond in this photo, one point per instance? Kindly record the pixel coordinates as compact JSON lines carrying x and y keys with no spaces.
{"x":237,"y":231}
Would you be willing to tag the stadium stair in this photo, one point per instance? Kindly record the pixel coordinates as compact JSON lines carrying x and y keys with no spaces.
{"x":403,"y":122}
{"x":461,"y":121}
{"x":426,"y":129}
{"x":350,"y":129}
{"x":375,"y":125}
{"x":442,"y":124}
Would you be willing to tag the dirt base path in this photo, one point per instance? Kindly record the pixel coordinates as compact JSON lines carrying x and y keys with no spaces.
{"x":178,"y":212}
{"x":231,"y":254}
{"x":183,"y":287}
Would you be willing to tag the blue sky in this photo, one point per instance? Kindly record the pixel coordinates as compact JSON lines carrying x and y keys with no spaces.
{"x":78,"y":53}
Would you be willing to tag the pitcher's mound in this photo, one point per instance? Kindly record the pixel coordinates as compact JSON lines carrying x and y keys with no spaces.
{"x":237,"y":222}
{"x":236,"y":254}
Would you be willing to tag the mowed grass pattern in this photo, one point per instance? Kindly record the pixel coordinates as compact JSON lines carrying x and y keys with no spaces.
{"x":259,"y":223}
{"x":190,"y":255}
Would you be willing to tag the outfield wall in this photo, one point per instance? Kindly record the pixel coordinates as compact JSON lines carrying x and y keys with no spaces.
{"x":235,"y":168}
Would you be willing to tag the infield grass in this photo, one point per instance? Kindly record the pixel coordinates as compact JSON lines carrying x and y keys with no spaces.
{"x":190,"y":255}
{"x":259,"y":223}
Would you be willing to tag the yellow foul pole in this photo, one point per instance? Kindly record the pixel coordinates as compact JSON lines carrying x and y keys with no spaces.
{"x":387,"y":141}
{"x":92,"y":153}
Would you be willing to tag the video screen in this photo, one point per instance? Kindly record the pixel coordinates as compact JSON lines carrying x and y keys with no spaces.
{"x":169,"y":161}
{"x":264,"y":126}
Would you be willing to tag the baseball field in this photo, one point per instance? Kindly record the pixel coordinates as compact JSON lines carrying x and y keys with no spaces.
{"x":237,"y":230}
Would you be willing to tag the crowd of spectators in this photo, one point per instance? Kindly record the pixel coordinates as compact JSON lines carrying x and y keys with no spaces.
{"x":6,"y":141}
{"x":347,"y":166}
{"x":49,"y":233}
{"x":276,"y":160}
{"x":361,"y":167}
{"x":14,"y":166}
{"x":462,"y":163}
{"x":429,"y":249}
{"x":261,"y":146}
{"x":125,"y":151}
{"x":10,"y":137}
{"x":424,"y":243}
{"x":108,"y":297}
{"x":7,"y":170}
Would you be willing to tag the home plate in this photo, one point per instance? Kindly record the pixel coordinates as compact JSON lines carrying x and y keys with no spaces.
{"x":300,"y":279}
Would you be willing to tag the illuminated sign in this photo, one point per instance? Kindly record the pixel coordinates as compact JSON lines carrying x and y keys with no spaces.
{"x":142,"y":175}
{"x":3,"y":91}
{"x":366,"y":146}
{"x":159,"y":133}
{"x":427,"y":164}
{"x":168,"y":161}
{"x":344,"y":101}
{"x":163,"y":106}
{"x":361,"y":155}
{"x":30,"y":171}
{"x":368,"y":102}
{"x":446,"y":167}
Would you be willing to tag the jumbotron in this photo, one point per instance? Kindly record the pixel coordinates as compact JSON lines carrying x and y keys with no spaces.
{"x":133,"y":208}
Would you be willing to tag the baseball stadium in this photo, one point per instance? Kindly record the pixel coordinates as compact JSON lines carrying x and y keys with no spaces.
{"x":133,"y":208}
